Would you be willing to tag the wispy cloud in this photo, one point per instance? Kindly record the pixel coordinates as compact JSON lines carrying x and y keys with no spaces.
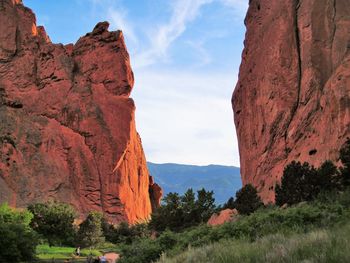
{"x":202,"y":53}
{"x":183,"y":12}
{"x":119,"y":20}
{"x":238,"y":6}
{"x":115,"y":12}
{"x":156,"y":46}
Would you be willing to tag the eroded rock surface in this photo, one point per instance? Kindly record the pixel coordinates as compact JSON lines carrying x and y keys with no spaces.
{"x":292,"y":100}
{"x":224,"y":216}
{"x":67,"y":127}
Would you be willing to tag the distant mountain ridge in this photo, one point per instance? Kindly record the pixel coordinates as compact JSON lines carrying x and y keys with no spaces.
{"x":172,"y":177}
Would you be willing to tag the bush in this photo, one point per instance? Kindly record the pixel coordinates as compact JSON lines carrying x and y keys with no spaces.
{"x":143,"y":250}
{"x":54,"y":221}
{"x":124,"y":233}
{"x":247,"y":200}
{"x":18,"y":240}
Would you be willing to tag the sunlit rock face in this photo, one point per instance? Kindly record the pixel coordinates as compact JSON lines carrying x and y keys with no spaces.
{"x":67,"y":124}
{"x":292,"y":100}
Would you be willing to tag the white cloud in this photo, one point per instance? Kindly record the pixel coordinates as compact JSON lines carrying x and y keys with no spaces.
{"x":183,"y":12}
{"x":236,"y":4}
{"x":114,"y":12}
{"x":186,"y":117}
{"x":118,"y":19}
{"x":202,"y":53}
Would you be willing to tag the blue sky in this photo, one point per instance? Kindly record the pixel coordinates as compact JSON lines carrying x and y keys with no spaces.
{"x":185,"y":55}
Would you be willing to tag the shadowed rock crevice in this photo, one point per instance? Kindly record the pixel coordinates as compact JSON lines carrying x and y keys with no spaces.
{"x":299,"y":68}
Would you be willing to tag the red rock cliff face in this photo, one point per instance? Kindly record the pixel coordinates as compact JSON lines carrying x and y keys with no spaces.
{"x":67,"y":127}
{"x":292,"y":100}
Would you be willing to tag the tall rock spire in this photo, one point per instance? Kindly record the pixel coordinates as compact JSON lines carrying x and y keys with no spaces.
{"x":292,"y":100}
{"x":67,"y":127}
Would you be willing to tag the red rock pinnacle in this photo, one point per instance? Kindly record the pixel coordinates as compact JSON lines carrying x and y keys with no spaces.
{"x":292,"y":100}
{"x":67,"y":123}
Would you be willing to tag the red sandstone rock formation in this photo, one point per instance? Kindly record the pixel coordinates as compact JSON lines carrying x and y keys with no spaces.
{"x":227,"y":215}
{"x":292,"y":100}
{"x":67,"y":127}
{"x":155,"y":192}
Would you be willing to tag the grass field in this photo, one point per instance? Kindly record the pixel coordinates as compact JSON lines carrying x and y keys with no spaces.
{"x":45,"y":253}
{"x":321,"y":246}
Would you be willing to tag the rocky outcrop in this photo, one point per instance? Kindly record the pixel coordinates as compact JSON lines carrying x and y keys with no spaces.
{"x":292,"y":100}
{"x":224,"y":216}
{"x":155,"y":192}
{"x":67,"y":127}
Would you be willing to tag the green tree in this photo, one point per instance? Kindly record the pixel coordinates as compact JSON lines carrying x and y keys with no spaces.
{"x":345,"y":159}
{"x":299,"y":183}
{"x":188,"y":205}
{"x":230,"y":204}
{"x":204,"y":206}
{"x":109,"y":231}
{"x":247,"y":200}
{"x":10,"y":215}
{"x":327,"y":178}
{"x":90,"y":231}
{"x":178,"y":212}
{"x":54,"y":221}
{"x":169,"y":214}
{"x":17,"y":240}
{"x":124,"y":233}
{"x":302,"y":182}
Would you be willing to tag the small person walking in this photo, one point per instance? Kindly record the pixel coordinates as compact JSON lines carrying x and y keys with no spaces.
{"x":77,"y":251}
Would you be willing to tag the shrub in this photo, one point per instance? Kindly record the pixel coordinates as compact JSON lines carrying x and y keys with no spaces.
{"x":18,"y":241}
{"x":143,"y":250}
{"x":247,"y":200}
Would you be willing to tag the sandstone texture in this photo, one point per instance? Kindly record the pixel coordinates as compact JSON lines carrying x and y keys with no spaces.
{"x":226,"y":215}
{"x":67,"y":124}
{"x":292,"y":100}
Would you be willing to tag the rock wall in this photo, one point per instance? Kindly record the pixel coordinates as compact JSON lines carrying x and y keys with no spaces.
{"x":67,"y":124}
{"x":292,"y":100}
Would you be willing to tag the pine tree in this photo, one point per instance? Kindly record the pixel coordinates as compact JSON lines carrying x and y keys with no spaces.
{"x":247,"y":200}
{"x":345,"y":159}
{"x":90,"y":231}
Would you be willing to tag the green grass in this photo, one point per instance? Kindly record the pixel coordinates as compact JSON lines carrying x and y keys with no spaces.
{"x":45,"y":252}
{"x":316,"y":246}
